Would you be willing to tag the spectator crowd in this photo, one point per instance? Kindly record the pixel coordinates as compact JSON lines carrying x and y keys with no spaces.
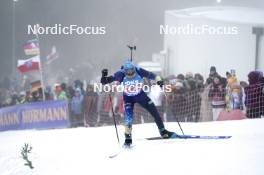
{"x":192,"y":98}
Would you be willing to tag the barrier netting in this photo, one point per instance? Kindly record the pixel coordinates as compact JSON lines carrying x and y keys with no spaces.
{"x":203,"y":104}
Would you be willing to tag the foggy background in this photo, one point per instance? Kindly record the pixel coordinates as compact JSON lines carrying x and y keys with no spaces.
{"x":126,"y":21}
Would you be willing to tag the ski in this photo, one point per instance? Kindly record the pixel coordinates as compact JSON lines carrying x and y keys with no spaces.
{"x":120,"y":150}
{"x":115,"y":155}
{"x":191,"y":137}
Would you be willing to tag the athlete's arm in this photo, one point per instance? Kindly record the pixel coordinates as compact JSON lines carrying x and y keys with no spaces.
{"x":118,"y":76}
{"x":150,"y":75}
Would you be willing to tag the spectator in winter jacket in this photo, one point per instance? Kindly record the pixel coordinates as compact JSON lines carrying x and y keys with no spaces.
{"x":234,"y":92}
{"x":260,"y":74}
{"x":37,"y":95}
{"x":60,"y":93}
{"x":212,"y":75}
{"x":76,"y":110}
{"x":70,"y":92}
{"x":178,"y":101}
{"x":261,"y":82}
{"x":90,"y":106}
{"x":48,"y":93}
{"x":254,"y":100}
{"x":28,"y":97}
{"x":193,"y":98}
{"x":180,"y":77}
{"x":78,"y":84}
{"x":217,"y":96}
{"x":199,"y":81}
{"x":190,"y":82}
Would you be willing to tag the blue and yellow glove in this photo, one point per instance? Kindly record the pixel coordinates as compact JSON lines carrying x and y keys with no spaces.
{"x":159,"y":80}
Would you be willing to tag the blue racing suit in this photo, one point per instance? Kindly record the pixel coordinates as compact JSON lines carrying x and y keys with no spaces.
{"x":133,"y":93}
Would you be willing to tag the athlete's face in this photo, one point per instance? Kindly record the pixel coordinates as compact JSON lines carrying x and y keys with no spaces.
{"x":130,"y":75}
{"x":130,"y":72}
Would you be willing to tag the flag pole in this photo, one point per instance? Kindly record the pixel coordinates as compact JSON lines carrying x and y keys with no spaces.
{"x":40,"y":65}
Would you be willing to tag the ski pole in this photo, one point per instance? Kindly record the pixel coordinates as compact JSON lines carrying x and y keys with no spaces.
{"x":166,"y":97}
{"x":104,"y":74}
{"x":113,"y":114}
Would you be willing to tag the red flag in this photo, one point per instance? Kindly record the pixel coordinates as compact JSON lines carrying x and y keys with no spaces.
{"x":29,"y":64}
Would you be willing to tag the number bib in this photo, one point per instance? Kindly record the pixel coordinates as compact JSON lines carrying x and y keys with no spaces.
{"x":133,"y":86}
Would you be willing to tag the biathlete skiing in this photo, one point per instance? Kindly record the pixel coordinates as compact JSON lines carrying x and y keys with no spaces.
{"x":131,"y":77}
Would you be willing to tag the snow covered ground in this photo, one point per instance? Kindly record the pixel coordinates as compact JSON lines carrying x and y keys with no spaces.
{"x":87,"y":150}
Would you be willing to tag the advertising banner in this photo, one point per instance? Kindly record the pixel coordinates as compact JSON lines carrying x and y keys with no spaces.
{"x":37,"y":115}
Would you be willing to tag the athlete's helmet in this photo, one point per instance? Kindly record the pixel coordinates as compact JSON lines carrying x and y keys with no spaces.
{"x":129,"y":68}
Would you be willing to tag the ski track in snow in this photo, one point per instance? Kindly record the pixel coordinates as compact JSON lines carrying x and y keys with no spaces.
{"x":87,"y":150}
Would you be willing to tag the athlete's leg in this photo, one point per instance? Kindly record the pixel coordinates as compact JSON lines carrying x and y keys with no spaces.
{"x":129,"y":106}
{"x":148,"y":104}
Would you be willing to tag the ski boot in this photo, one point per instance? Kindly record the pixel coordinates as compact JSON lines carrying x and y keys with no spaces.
{"x":167,"y":134}
{"x":128,"y":141}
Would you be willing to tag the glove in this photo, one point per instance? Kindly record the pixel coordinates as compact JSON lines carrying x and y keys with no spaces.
{"x":104,"y":72}
{"x":104,"y":80}
{"x":160,"y":83}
